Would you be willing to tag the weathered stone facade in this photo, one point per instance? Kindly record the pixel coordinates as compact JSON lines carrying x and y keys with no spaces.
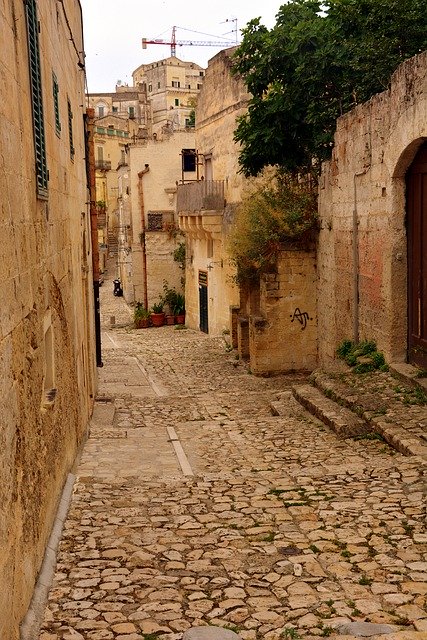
{"x":206,"y":209}
{"x":47,"y":344}
{"x":172,"y":86}
{"x":362,"y":253}
{"x":153,"y":173}
{"x":283,"y":335}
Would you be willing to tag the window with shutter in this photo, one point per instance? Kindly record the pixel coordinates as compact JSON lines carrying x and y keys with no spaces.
{"x":32,"y":25}
{"x":56,"y":104}
{"x":70,"y":129}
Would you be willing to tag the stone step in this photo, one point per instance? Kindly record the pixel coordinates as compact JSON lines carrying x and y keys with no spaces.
{"x":343,"y":421}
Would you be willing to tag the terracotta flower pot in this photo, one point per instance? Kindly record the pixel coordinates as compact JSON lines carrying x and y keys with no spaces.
{"x":142,"y":323}
{"x":170,"y":320}
{"x":157,"y":319}
{"x":180,"y":319}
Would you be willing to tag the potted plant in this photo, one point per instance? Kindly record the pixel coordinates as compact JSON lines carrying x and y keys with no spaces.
{"x":157,"y":314}
{"x":179,"y":308}
{"x":169,"y":300}
{"x":141,"y":316}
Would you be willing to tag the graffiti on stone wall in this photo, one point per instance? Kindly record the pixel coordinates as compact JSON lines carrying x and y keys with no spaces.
{"x":301,"y":316}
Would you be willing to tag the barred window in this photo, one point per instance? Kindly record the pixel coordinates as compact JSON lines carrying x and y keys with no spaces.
{"x":56,"y":104}
{"x":155,"y":222}
{"x":32,"y":25}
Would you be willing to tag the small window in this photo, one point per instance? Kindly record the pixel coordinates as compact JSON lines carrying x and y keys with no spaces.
{"x":188,"y":86}
{"x":155,"y":222}
{"x":176,"y":102}
{"x":70,"y":129}
{"x":176,"y":84}
{"x":158,"y":85}
{"x":101,"y":110}
{"x":189,"y":160}
{"x":199,"y":86}
{"x":201,"y":73}
{"x":32,"y":25}
{"x":131,"y":112}
{"x":150,"y":87}
{"x":115,"y":110}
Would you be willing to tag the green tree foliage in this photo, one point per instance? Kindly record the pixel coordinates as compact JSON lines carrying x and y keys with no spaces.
{"x":318,"y":61}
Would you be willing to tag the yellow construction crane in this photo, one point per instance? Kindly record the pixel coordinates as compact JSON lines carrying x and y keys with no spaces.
{"x":190,"y":43}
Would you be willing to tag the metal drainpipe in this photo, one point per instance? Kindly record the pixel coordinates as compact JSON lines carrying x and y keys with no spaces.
{"x":144,"y":251}
{"x":355,"y":247}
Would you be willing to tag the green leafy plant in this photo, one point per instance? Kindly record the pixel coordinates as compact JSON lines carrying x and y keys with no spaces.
{"x":362,"y":356}
{"x":179,"y":304}
{"x":277,"y":210}
{"x":158,"y":307}
{"x":179,"y":255}
{"x":320,"y":59}
{"x":290,"y":633}
{"x":140,"y":312}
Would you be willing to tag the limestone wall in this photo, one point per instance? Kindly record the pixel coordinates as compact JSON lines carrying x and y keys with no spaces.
{"x":47,"y":365}
{"x":283,"y":335}
{"x":223,"y":98}
{"x":155,"y":193}
{"x":362,"y":245}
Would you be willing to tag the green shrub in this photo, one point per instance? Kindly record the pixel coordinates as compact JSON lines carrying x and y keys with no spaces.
{"x":362,"y":356}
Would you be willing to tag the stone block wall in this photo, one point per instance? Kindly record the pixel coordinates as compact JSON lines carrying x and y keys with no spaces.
{"x":362,"y":251}
{"x":283,"y":335}
{"x":47,"y":344}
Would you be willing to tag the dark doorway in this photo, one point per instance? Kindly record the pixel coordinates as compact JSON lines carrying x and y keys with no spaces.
{"x":417,"y":258}
{"x":203,"y":301}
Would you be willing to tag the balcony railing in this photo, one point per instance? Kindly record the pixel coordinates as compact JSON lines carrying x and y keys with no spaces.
{"x":201,"y":195}
{"x":103,"y":165}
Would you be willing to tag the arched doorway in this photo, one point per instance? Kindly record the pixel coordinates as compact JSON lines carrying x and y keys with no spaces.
{"x":417,"y":258}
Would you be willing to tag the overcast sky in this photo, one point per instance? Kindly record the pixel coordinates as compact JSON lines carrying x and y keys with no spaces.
{"x":114,"y":29}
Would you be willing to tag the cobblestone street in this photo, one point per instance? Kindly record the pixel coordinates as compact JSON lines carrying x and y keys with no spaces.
{"x":193,"y":505}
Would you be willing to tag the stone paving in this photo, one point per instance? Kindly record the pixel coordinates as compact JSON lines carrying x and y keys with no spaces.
{"x":282,"y":529}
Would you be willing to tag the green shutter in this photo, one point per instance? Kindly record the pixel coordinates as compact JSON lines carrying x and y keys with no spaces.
{"x":36,"y":97}
{"x":70,"y":129}
{"x":55,"y":90}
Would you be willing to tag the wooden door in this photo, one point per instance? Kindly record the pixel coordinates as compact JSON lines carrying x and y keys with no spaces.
{"x":417,"y":258}
{"x":203,"y":301}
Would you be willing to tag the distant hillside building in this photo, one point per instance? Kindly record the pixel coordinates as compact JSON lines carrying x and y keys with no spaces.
{"x":172,"y":89}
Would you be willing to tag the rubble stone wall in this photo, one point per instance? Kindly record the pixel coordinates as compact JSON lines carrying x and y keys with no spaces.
{"x":362,"y":245}
{"x":283,"y":336}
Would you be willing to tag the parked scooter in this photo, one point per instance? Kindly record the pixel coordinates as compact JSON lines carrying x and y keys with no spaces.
{"x":118,"y":290}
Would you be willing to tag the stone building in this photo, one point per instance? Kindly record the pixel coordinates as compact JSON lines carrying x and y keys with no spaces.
{"x":160,"y":103}
{"x":47,"y":341}
{"x":172,"y":87}
{"x":372,"y":251}
{"x":273,"y":325}
{"x":121,"y":117}
{"x":148,"y":223}
{"x":206,"y":207}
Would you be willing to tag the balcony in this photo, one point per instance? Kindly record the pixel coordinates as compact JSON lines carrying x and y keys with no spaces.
{"x":103,"y":165}
{"x":204,"y":195}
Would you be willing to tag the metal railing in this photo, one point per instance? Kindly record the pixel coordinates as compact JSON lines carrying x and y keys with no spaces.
{"x":103,"y":165}
{"x":201,"y":195}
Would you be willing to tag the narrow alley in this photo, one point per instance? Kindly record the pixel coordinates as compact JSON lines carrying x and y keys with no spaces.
{"x":193,"y":505}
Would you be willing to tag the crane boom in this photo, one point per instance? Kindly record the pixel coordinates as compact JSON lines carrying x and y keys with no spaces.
{"x":194,"y":43}
{"x":187,"y":43}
